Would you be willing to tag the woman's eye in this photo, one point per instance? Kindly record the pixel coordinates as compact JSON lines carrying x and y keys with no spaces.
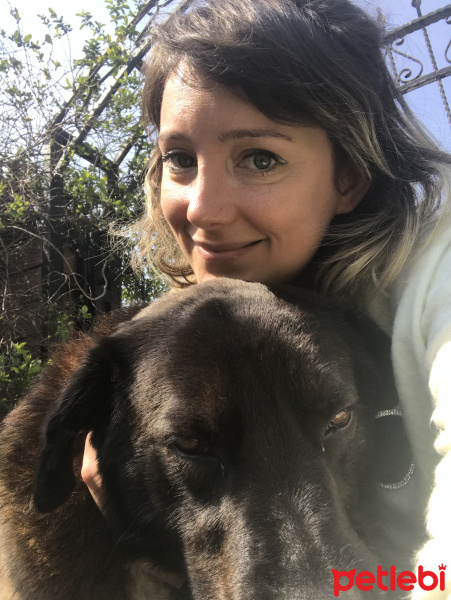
{"x":179,"y":161}
{"x":341,"y":419}
{"x":261,"y":160}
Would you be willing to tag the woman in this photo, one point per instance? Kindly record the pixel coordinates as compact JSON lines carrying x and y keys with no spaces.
{"x":286,"y":155}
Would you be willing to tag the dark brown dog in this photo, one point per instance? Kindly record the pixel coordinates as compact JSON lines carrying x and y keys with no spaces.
{"x":234,"y":427}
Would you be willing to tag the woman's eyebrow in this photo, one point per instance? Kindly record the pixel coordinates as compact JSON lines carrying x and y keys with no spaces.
{"x":169,"y":136}
{"x":232,"y":134}
{"x":235,"y":134}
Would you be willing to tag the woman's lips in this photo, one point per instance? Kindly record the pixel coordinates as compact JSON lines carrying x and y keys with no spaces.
{"x":223,"y":252}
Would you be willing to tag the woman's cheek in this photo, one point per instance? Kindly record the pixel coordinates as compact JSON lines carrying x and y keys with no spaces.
{"x":173,"y":207}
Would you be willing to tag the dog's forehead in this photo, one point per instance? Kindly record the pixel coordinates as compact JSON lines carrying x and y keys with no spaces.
{"x":227,"y":304}
{"x":240,"y":336}
{"x":227,"y":315}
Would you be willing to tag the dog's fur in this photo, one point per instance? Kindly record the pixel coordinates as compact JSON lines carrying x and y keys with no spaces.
{"x":211,"y":412}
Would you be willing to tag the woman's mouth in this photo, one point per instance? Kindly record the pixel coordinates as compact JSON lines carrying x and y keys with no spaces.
{"x":223,"y":252}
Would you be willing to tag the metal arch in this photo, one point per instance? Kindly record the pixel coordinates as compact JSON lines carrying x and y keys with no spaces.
{"x":406,"y":80}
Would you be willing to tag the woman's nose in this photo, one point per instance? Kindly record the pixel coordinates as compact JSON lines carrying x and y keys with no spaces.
{"x":212,"y":200}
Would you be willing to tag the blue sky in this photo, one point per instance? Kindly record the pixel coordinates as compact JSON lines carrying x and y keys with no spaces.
{"x":425,"y":102}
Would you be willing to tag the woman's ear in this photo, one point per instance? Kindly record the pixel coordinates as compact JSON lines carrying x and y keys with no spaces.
{"x":352,"y":187}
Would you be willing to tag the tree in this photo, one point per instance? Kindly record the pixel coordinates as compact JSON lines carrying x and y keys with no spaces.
{"x":73,"y":155}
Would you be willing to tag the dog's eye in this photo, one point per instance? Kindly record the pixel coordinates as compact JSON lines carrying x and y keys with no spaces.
{"x":341,"y":419}
{"x":191,"y":446}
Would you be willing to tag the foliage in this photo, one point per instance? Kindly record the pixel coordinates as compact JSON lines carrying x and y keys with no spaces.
{"x":17,"y":370}
{"x":75,"y":120}
{"x":18,"y":365}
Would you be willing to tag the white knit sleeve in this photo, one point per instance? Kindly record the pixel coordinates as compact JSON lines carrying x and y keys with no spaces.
{"x":436,"y":325}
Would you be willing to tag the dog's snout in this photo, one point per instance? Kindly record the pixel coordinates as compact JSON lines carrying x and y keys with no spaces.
{"x":276,"y":546}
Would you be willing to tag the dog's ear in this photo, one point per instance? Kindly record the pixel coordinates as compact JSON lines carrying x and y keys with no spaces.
{"x":86,"y":405}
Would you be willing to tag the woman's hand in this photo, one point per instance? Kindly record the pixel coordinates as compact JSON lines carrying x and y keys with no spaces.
{"x":90,"y":473}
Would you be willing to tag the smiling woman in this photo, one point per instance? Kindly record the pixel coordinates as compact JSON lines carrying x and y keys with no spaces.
{"x":235,"y":185}
{"x":313,"y":67}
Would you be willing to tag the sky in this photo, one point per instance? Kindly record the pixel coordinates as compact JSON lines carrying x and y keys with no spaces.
{"x":425,"y":102}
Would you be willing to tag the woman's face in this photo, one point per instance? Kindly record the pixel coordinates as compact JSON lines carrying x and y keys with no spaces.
{"x":245,"y":197}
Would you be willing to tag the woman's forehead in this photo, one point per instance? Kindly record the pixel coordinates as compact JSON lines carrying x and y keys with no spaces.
{"x":191,"y":111}
{"x":206,"y":104}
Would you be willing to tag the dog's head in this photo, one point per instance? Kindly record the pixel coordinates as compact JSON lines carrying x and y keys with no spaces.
{"x":234,"y":428}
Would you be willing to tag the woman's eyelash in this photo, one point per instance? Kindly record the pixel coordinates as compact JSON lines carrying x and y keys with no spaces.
{"x":174,"y":157}
{"x":258,"y":151}
{"x":169,"y":155}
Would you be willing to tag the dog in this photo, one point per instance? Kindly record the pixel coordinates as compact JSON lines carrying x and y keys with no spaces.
{"x":234,"y":426}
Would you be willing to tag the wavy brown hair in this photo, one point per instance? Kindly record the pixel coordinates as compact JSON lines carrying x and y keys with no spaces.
{"x":317,"y":63}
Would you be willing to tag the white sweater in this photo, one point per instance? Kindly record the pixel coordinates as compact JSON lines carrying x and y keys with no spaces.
{"x":417,"y":314}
